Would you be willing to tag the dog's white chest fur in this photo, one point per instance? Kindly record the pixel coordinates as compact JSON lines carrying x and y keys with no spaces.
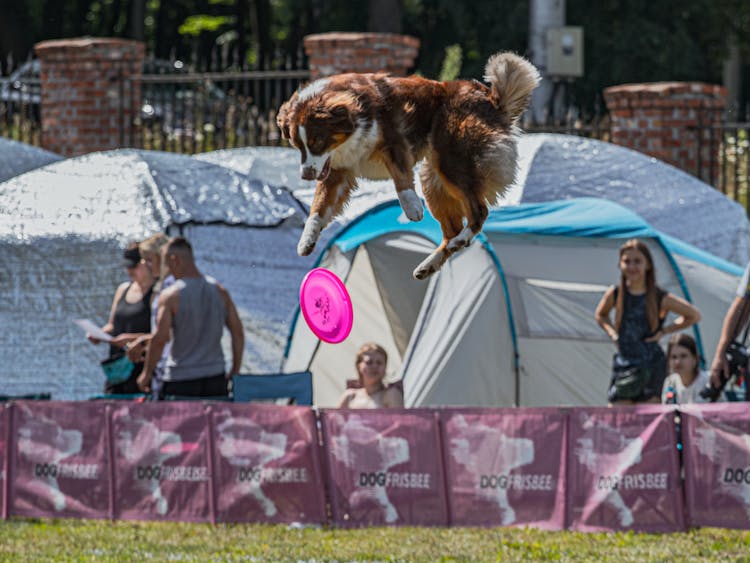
{"x":356,"y":152}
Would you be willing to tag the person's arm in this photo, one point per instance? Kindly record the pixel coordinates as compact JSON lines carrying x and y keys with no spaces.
{"x":234,"y":324}
{"x":687,"y":316}
{"x":346,"y":398}
{"x":605,"y":306}
{"x":164,"y":317}
{"x":719,"y":367}
{"x":393,"y":398}
{"x":137,"y":348}
{"x":110,"y":326}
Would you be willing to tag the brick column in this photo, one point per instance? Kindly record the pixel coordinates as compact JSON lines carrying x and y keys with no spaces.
{"x":88,"y":101}
{"x":671,"y":121}
{"x":334,"y":53}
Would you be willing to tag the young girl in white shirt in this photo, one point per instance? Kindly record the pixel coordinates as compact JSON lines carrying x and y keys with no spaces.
{"x":686,"y":379}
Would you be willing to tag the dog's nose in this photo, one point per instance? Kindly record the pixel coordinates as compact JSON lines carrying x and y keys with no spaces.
{"x":308,"y":172}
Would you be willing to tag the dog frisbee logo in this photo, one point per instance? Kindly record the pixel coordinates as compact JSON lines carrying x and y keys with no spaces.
{"x":719,"y":447}
{"x":468,"y":448}
{"x":603,"y":465}
{"x":249,"y":448}
{"x":141,"y":442}
{"x":326,"y":305}
{"x":368,"y":453}
{"x":45,"y":443}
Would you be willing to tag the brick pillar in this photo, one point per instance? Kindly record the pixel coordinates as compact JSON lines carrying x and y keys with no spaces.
{"x":334,"y":53}
{"x":671,"y":121}
{"x":88,"y":102}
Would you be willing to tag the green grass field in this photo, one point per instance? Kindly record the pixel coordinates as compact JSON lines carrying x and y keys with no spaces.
{"x":81,"y":540}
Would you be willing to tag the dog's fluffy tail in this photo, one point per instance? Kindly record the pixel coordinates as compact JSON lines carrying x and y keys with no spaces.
{"x":513,"y":78}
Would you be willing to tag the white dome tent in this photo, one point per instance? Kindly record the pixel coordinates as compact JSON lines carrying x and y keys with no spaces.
{"x":510,"y":320}
{"x":17,"y":158}
{"x":554,"y":167}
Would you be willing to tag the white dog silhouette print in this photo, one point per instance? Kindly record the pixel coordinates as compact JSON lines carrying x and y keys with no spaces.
{"x":141,"y":441}
{"x":720,"y":450}
{"x":45,"y":443}
{"x":363,"y":449}
{"x":507,"y":453}
{"x":245,"y":445}
{"x":627,"y":452}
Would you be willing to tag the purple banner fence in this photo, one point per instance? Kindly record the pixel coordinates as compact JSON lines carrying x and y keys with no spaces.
{"x":267,"y":464}
{"x":623,"y":470}
{"x":384,"y":467}
{"x":58,"y":460}
{"x":505,"y":467}
{"x":716,"y":458}
{"x":4,"y":440}
{"x":161,"y":462}
{"x":581,"y":468}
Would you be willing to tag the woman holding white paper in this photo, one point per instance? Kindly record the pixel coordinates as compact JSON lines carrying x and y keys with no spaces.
{"x":130,"y":315}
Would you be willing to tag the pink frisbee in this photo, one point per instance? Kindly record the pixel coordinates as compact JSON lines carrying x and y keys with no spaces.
{"x":326,"y":305}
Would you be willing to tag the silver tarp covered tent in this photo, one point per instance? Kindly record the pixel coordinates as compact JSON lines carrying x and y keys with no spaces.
{"x":17,"y":158}
{"x":555,"y":167}
{"x":63,"y":227}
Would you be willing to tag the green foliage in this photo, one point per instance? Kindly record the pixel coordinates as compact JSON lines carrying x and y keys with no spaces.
{"x":633,"y":41}
{"x":647,"y":41}
{"x":195,"y":25}
{"x":451,"y":63}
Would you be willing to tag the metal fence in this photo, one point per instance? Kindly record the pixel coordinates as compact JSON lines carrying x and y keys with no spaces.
{"x":199,"y":112}
{"x":192,"y":112}
{"x":731,"y":141}
{"x":20,"y":90}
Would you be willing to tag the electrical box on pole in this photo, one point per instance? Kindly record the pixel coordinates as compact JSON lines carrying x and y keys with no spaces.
{"x":565,"y":52}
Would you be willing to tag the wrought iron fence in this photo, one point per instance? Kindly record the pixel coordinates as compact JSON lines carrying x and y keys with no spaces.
{"x":20,"y":117}
{"x":732,"y":141}
{"x":199,"y":112}
{"x":191,"y":112}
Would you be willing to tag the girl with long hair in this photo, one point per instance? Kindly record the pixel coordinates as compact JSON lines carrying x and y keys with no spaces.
{"x":641,"y":308}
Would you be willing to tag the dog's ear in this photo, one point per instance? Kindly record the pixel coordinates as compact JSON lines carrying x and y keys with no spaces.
{"x":284,"y":117}
{"x":340,"y":118}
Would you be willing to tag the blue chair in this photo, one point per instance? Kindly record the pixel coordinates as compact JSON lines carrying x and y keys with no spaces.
{"x":27,"y":397}
{"x":251,"y":387}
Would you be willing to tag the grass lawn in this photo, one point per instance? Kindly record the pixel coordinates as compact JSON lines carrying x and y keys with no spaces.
{"x":81,"y":540}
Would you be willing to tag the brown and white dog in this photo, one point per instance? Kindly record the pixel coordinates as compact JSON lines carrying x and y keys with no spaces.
{"x":376,"y":126}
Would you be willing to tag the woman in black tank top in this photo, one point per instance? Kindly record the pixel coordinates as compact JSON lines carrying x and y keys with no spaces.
{"x":130,"y":315}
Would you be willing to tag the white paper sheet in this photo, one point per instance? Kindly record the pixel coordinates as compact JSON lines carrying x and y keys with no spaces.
{"x":93,"y":330}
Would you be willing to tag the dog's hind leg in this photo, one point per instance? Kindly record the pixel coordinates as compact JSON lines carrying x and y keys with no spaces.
{"x":478,"y":212}
{"x":448,"y":212}
{"x":331,"y":195}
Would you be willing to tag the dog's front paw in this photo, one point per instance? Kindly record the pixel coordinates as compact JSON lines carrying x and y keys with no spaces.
{"x":305,"y":247}
{"x":411,"y":204}
{"x":310,"y":235}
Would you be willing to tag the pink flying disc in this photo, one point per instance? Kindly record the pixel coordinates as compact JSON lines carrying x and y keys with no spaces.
{"x":326,"y":305}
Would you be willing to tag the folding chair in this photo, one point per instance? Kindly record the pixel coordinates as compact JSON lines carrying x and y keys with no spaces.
{"x":296,"y":386}
{"x":27,"y":397}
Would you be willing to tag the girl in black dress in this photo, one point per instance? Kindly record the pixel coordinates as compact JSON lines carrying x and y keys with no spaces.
{"x":641,"y":307}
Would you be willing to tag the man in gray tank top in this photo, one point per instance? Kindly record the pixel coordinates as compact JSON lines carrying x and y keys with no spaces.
{"x":193,"y":312}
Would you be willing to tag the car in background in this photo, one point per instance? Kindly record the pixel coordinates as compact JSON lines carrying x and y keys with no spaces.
{"x":179,"y":103}
{"x":170,"y":102}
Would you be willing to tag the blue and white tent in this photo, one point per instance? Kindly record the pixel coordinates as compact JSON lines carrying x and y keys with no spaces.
{"x":510,"y":320}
